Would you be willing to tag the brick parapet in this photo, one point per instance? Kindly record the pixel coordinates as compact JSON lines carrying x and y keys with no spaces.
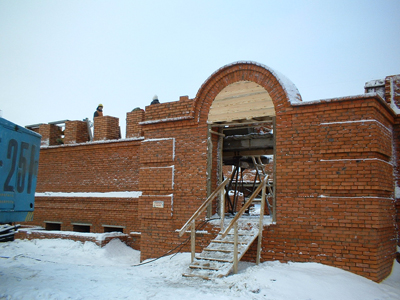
{"x":133,"y":119}
{"x":51,"y":134}
{"x":76,"y":132}
{"x":176,"y":110}
{"x":392,"y":89}
{"x":106,"y":128}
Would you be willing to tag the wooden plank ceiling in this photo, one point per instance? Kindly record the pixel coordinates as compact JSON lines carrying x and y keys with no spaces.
{"x":241,"y":101}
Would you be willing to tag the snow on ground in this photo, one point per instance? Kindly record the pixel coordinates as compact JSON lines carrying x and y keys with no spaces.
{"x":65,"y":269}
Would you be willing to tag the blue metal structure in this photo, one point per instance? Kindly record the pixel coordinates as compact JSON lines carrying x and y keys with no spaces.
{"x":19,"y":161}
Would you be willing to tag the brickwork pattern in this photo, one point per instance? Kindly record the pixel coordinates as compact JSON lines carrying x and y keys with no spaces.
{"x":50,"y":133}
{"x":76,"y":132}
{"x":103,"y":167}
{"x":170,"y":110}
{"x":133,"y":128}
{"x":94,"y":211}
{"x":106,"y":128}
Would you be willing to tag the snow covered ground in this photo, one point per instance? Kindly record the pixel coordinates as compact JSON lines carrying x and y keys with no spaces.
{"x":64,"y":269}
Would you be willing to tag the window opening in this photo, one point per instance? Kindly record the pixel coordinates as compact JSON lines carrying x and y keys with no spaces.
{"x":53,"y":226}
{"x":81,"y":227}
{"x":113,"y":229}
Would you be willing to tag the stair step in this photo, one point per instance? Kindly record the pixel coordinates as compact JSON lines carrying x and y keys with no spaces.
{"x":228,"y":242}
{"x":208,"y":265}
{"x":215,"y":259}
{"x":207,"y":269}
{"x":223,"y":247}
{"x":218,"y":250}
{"x":203,"y":267}
{"x":207,"y":274}
{"x":243,"y":241}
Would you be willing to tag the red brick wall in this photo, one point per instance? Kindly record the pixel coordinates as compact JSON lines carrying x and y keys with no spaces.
{"x":76,"y":132}
{"x":106,"y":128}
{"x":88,"y":210}
{"x":94,"y":167}
{"x":319,"y":160}
{"x":334,"y":187}
{"x":170,"y":110}
{"x":133,"y":128}
{"x":334,"y":176}
{"x":392,"y":89}
{"x":50,"y":133}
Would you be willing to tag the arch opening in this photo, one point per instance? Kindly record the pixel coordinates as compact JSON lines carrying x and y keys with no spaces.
{"x":242,"y":115}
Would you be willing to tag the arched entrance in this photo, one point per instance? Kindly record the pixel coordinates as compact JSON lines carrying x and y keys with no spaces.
{"x":239,"y":103}
{"x":243,"y":116}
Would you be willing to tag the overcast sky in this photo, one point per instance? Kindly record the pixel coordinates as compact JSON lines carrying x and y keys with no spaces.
{"x":60,"y":59}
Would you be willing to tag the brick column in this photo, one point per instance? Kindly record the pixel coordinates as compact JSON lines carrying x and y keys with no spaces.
{"x":76,"y":132}
{"x":106,"y":128}
{"x":50,"y":133}
{"x":392,"y":89}
{"x":133,"y":118}
{"x":392,"y":93}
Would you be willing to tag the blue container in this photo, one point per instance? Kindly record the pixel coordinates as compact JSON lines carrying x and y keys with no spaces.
{"x":19,"y":161}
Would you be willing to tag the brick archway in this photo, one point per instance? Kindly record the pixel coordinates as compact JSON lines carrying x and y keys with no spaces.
{"x":282,"y":91}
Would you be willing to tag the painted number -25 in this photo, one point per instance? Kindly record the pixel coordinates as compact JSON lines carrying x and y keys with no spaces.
{"x":26,"y":164}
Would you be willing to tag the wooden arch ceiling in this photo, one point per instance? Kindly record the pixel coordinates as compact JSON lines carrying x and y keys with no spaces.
{"x":241,"y":102}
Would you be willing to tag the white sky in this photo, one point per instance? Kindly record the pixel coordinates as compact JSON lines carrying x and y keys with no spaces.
{"x":59,"y":59}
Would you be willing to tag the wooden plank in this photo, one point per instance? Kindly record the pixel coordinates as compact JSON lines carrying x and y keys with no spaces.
{"x":241,"y":106}
{"x":229,"y":116}
{"x":244,"y":108}
{"x":274,"y":174}
{"x":251,"y":121}
{"x":241,"y":88}
{"x":193,"y":240}
{"x":260,"y":224}
{"x":235,"y":250}
{"x":249,"y":98}
{"x":241,"y":100}
{"x":209,"y":167}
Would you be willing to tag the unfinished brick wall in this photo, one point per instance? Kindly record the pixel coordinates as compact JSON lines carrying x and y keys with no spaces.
{"x":133,"y":127}
{"x":76,"y":132}
{"x":88,"y":168}
{"x":170,"y":111}
{"x":106,"y":128}
{"x":334,"y":176}
{"x":94,"y":167}
{"x":334,"y":182}
{"x":392,"y":89}
{"x":50,"y":134}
